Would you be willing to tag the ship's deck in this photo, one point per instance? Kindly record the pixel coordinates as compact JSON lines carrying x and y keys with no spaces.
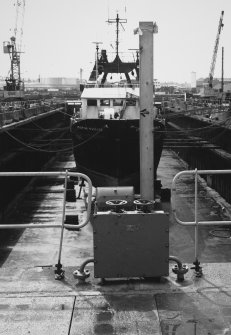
{"x":33,"y":302}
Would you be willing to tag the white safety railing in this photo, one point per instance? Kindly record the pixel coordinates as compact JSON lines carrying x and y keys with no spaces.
{"x":66,"y":174}
{"x":62,"y":224}
{"x":196,"y":223}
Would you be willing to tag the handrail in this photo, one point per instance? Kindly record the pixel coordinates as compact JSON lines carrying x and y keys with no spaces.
{"x":173,"y":198}
{"x":196,"y":223}
{"x":51,"y":174}
{"x":59,"y":272}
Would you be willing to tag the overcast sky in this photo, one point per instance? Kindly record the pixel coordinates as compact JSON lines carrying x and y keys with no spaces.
{"x":58,"y":35}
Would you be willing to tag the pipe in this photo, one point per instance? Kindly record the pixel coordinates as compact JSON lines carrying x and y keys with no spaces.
{"x":87,"y":261}
{"x":173,"y":198}
{"x":175,"y":259}
{"x":180,"y":270}
{"x":146,"y":111}
{"x":50,"y":174}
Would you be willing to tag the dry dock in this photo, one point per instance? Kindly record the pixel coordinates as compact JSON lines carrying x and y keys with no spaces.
{"x":33,"y":302}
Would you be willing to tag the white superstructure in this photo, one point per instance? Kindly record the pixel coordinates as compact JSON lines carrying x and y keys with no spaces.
{"x":110,"y":103}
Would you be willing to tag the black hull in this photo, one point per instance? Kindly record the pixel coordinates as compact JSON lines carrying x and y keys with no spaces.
{"x":108,"y":150}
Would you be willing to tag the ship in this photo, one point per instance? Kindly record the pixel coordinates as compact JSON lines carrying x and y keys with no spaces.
{"x":105,"y":130}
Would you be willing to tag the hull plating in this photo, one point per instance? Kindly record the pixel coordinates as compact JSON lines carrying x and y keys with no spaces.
{"x":108,"y":150}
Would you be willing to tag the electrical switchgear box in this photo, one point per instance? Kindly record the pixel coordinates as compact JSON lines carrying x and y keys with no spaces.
{"x":131,"y":244}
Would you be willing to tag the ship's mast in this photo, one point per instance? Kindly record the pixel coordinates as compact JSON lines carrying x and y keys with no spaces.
{"x":102,"y":65}
{"x":97,"y":60}
{"x":118,"y":21}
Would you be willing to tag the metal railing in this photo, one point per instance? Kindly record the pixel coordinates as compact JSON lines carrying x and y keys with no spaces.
{"x":62,"y":224}
{"x":196,"y":223}
{"x":113,"y":85}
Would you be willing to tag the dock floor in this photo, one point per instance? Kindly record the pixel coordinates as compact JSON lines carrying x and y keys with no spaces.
{"x":33,"y":302}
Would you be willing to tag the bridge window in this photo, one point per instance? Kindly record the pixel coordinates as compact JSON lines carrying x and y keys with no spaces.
{"x":131,"y":102}
{"x":105,"y":102}
{"x":92,"y":102}
{"x":117,"y":102}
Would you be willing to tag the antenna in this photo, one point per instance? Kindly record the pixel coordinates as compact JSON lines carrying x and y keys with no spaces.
{"x":96,"y":59}
{"x":137,"y":54}
{"x":117,"y":21}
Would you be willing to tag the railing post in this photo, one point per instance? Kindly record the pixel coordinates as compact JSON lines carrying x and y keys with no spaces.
{"x":197,"y":267}
{"x":196,"y":216}
{"x":196,"y":223}
{"x":59,"y":272}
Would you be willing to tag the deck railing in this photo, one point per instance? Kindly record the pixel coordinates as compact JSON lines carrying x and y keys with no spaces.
{"x":196,"y":223}
{"x":62,"y":224}
{"x":112,"y":85}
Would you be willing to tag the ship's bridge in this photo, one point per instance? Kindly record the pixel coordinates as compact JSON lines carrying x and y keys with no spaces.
{"x":110,"y":102}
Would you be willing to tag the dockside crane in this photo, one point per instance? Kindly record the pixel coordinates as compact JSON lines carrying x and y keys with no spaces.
{"x":14,"y":85}
{"x":212,"y":67}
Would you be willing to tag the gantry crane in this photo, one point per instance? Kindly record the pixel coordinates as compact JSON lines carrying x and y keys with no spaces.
{"x":212,"y":67}
{"x":14,"y":84}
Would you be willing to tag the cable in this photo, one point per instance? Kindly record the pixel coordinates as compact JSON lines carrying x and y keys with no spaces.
{"x":49,"y":129}
{"x":53,"y":151}
{"x":49,"y":142}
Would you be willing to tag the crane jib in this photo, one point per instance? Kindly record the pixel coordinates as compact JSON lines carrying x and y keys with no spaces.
{"x":212,"y":67}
